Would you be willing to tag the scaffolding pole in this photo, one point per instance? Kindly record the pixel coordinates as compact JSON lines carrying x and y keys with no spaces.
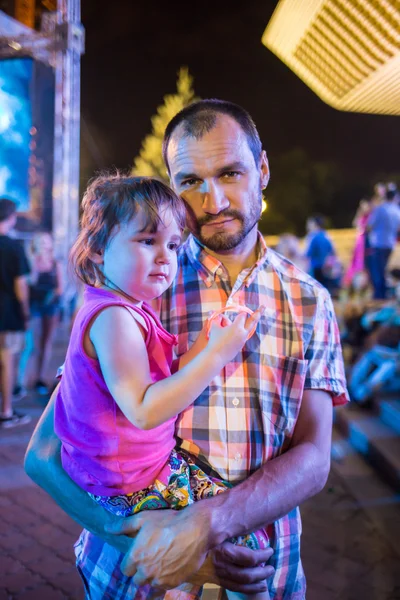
{"x":59,"y":44}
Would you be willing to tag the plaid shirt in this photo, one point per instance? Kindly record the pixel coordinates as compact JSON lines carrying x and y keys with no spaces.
{"x":248,"y":414}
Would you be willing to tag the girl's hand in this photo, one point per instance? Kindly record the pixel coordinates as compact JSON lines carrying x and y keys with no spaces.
{"x":226,"y":338}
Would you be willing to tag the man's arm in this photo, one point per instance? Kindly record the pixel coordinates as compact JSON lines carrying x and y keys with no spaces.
{"x":21,"y":290}
{"x":43,"y":465}
{"x":170,"y":548}
{"x":285,"y":482}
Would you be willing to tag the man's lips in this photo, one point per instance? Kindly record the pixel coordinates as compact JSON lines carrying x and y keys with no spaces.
{"x":218,"y":223}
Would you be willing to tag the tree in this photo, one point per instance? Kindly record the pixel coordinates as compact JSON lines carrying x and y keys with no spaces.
{"x":150,"y":162}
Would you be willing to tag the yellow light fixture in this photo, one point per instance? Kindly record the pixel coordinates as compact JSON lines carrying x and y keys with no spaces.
{"x":346,"y":51}
{"x":264,"y":205}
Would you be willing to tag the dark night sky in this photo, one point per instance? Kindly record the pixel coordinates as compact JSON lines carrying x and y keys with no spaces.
{"x":134,"y":50}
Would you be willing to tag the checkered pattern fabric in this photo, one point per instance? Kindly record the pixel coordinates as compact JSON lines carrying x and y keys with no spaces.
{"x":248,"y":414}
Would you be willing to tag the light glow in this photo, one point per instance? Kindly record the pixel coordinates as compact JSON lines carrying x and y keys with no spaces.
{"x":346,"y":51}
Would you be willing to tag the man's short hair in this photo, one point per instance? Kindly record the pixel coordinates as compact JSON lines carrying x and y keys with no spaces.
{"x":201,"y":117}
{"x":319,"y":220}
{"x":7,"y":209}
{"x":391,"y":191}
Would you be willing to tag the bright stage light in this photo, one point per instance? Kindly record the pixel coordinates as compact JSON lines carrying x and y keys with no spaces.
{"x":264,"y":205}
{"x":346,"y":51}
{"x":15,"y":123}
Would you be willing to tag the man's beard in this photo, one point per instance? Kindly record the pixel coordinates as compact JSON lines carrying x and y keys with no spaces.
{"x":222,"y":240}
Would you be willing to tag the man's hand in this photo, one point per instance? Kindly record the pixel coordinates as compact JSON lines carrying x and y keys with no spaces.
{"x":169,"y":546}
{"x":242,"y":569}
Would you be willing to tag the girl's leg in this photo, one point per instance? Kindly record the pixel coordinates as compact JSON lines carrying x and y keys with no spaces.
{"x":6,"y":380}
{"x":49,"y":324}
{"x":24,"y":358}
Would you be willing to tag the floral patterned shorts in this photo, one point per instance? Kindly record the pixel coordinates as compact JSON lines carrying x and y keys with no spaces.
{"x":180,"y":483}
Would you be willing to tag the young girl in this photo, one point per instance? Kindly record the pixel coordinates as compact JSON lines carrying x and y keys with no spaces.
{"x":118,"y":402}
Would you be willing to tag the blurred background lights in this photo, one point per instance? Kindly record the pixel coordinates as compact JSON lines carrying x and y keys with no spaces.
{"x":346,"y":51}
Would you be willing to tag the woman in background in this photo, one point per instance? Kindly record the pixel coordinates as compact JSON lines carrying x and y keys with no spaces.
{"x":46,"y":288}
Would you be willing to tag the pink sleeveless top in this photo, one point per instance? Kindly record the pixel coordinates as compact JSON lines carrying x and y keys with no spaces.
{"x":101,"y":450}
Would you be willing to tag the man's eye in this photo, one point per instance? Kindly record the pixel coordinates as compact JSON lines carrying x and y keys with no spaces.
{"x":188,"y":182}
{"x":229,"y":174}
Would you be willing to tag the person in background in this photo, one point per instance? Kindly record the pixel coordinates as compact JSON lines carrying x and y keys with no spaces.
{"x":392,"y":187}
{"x":382,"y":226}
{"x":321,"y":254}
{"x":289,"y":246}
{"x":14,"y":310}
{"x":46,"y":288}
{"x":379,"y":194}
{"x":357,"y":264}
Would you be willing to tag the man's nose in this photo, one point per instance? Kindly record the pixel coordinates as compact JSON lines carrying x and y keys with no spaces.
{"x":214,"y":199}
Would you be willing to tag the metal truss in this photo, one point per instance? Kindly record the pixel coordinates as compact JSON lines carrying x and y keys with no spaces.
{"x":59,"y":44}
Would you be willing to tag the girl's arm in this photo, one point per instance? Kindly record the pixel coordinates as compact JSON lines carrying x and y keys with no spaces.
{"x":118,"y":342}
{"x":60,"y":279}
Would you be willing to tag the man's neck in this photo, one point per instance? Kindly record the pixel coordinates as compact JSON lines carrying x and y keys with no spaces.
{"x":242,"y":257}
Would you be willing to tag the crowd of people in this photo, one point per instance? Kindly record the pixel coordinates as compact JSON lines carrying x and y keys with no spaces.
{"x":31,"y":288}
{"x":366,"y":294}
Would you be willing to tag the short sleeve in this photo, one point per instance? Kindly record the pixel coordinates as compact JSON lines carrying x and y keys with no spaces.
{"x":324,"y":353}
{"x":372,"y":218}
{"x":21,"y":263}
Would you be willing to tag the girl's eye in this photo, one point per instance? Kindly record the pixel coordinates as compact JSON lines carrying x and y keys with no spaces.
{"x":147,"y":241}
{"x":173,"y":246}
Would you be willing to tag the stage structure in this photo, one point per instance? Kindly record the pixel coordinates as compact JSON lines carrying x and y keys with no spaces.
{"x":346,"y":51}
{"x":59,"y":44}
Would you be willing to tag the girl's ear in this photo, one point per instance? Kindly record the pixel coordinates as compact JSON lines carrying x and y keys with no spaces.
{"x":97,"y":257}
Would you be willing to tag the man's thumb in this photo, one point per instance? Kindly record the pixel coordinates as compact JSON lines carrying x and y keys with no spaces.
{"x":125,"y":526}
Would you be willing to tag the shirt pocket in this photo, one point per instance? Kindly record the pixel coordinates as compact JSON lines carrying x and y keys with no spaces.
{"x":281,"y":389}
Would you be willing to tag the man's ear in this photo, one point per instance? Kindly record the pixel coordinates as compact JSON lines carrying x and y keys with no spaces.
{"x":264,"y":168}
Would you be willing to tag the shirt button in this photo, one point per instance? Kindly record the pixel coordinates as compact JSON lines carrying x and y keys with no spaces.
{"x":235,"y":402}
{"x":238,"y":456}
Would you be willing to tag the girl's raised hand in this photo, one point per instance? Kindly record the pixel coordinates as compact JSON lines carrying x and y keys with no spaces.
{"x":226,"y":338}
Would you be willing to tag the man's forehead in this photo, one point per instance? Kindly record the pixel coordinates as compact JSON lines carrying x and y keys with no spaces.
{"x":226,"y":142}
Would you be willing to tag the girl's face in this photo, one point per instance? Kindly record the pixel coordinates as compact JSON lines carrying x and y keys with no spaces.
{"x":140,"y":263}
{"x":44,"y":244}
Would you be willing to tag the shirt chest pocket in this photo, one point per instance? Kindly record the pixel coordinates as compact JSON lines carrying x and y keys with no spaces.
{"x":281,"y":389}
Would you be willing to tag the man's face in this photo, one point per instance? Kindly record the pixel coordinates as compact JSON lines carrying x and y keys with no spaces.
{"x":220,"y":183}
{"x":311,"y":225}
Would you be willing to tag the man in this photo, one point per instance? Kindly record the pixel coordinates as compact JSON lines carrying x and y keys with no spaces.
{"x":14,"y":310}
{"x":382,"y":226}
{"x":324,"y":265}
{"x":265,"y":422}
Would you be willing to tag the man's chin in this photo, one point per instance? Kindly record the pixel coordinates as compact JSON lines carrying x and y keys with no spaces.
{"x":221,"y":241}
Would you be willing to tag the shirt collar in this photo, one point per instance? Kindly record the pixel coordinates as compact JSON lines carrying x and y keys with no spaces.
{"x":207,"y":265}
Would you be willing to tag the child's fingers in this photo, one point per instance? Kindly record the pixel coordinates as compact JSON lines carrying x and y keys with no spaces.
{"x":225,"y":321}
{"x":241,"y":319}
{"x":255,"y":317}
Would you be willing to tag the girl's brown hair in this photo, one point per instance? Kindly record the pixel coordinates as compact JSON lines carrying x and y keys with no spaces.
{"x":110,"y":201}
